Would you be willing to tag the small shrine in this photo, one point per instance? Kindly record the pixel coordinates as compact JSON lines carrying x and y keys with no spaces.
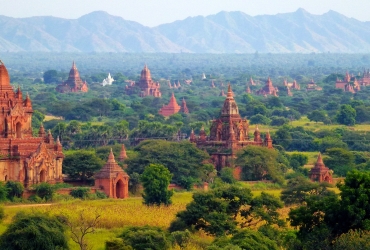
{"x":107,"y":81}
{"x":147,"y":86}
{"x":112,"y":179}
{"x":320,"y":172}
{"x":74,"y":82}
{"x":122,"y":154}
{"x":184,"y":108}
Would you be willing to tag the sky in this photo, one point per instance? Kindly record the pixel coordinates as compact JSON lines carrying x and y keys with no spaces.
{"x":154,"y":12}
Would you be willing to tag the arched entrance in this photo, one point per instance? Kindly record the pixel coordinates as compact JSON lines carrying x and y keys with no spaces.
{"x":327,"y":179}
{"x":6,"y":178}
{"x":18,"y":129}
{"x":120,"y":189}
{"x":43,"y":176}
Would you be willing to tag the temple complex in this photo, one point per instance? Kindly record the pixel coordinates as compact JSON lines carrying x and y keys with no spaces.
{"x":365,"y":80}
{"x":292,"y":85}
{"x":312,"y":86}
{"x":147,"y":86}
{"x":107,"y":81}
{"x":288,"y":92}
{"x":347,"y":85}
{"x":320,"y":172}
{"x":228,"y":134}
{"x":112,"y":179}
{"x":25,"y":158}
{"x":268,"y":89}
{"x":171,"y":108}
{"x":184,"y":109}
{"x":74,"y":82}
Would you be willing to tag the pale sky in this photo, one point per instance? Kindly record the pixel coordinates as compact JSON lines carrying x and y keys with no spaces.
{"x":154,"y":12}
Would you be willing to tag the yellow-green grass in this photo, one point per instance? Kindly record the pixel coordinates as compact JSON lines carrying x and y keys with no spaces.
{"x":51,"y":117}
{"x":315,"y":126}
{"x":312,"y":156}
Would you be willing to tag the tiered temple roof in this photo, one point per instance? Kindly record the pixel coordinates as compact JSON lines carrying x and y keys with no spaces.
{"x":25,"y":158}
{"x":147,"y":86}
{"x":171,"y":108}
{"x":268,"y":89}
{"x":228,"y":134}
{"x":74,"y":82}
{"x":320,"y":172}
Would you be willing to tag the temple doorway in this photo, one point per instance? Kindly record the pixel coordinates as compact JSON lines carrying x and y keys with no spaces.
{"x":42,"y":176}
{"x":120,"y":189}
{"x":6,"y":177}
{"x":327,"y":179}
{"x":18,"y":129}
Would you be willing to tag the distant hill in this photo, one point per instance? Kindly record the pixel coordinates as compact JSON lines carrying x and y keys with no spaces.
{"x":225,"y":32}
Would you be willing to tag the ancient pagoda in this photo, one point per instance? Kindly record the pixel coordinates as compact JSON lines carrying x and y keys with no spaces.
{"x":228,"y":134}
{"x":171,"y":108}
{"x":184,"y":108}
{"x":25,"y":158}
{"x":268,"y":89}
{"x":122,"y":154}
{"x":112,"y":179}
{"x":347,"y":85}
{"x":147,"y":86}
{"x":320,"y":172}
{"x":74,"y":82}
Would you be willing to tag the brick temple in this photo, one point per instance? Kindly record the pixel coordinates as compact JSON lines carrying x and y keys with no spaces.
{"x":25,"y":158}
{"x":228,"y":134}
{"x":73,"y":83}
{"x":347,"y":85}
{"x":172,"y":107}
{"x":268,"y":89}
{"x":320,"y":172}
{"x":147,"y":86}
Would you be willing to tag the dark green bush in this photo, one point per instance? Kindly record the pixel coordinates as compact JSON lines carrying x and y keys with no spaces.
{"x":80,"y":192}
{"x":15,"y":189}
{"x":45,"y":191}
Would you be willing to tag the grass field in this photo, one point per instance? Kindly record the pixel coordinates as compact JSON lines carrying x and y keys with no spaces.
{"x":115,"y":214}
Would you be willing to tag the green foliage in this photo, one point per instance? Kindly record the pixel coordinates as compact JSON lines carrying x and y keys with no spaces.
{"x":259,"y":119}
{"x":301,"y":159}
{"x":259,"y":163}
{"x":227,"y":176}
{"x":134,"y":182}
{"x":82,"y":164}
{"x":216,"y":211}
{"x":353,"y":240}
{"x":181,"y":238}
{"x":80,"y":192}
{"x":117,"y":244}
{"x":45,"y":190}
{"x":155,"y":180}
{"x":339,"y":160}
{"x":346,"y":115}
{"x":146,"y":237}
{"x":317,"y":116}
{"x":300,"y":188}
{"x":15,"y":189}
{"x":2,"y":214}
{"x":3,"y":192}
{"x":34,"y":231}
{"x":183,"y":159}
{"x":51,"y":76}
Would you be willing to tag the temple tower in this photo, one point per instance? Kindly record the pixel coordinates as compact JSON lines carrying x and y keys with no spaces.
{"x":171,"y":108}
{"x":184,"y":109}
{"x":74,"y":82}
{"x":112,"y":179}
{"x":320,"y":172}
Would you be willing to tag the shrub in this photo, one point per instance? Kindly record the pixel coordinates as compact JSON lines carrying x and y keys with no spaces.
{"x":15,"y":189}
{"x":80,"y":192}
{"x":3,"y":192}
{"x":100,"y":195}
{"x":226,"y":175}
{"x":147,"y":237}
{"x":33,"y":232}
{"x":35,"y":198}
{"x":116,"y":244}
{"x":45,"y":191}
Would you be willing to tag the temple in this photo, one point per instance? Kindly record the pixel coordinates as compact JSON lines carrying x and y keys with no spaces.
{"x":312,"y":86}
{"x":320,"y":172}
{"x":171,"y":108}
{"x":107,"y":81}
{"x":292,"y":85}
{"x":147,"y":86}
{"x":122,"y":153}
{"x":347,"y":85}
{"x":112,"y":179}
{"x":74,"y":82}
{"x":184,"y":108}
{"x":228,"y":134}
{"x":365,"y":80}
{"x":25,"y":158}
{"x":268,"y":89}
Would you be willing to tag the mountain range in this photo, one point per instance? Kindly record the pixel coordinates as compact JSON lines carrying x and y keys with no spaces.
{"x":224,"y":32}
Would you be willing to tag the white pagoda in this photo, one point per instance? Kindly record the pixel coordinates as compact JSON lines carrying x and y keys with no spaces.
{"x":107,"y":81}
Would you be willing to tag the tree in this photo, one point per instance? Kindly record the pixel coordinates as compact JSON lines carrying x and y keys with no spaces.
{"x":301,"y":159}
{"x":283,"y":137}
{"x":45,"y":191}
{"x":227,"y":175}
{"x":340,"y":160}
{"x":83,"y":225}
{"x":346,"y":115}
{"x":259,"y":119}
{"x":183,"y":159}
{"x":317,"y":116}
{"x":15,"y":189}
{"x":82,"y":164}
{"x":222,"y":210}
{"x":33,"y":232}
{"x":146,"y":237}
{"x":3,"y":192}
{"x":155,"y":180}
{"x":259,"y":163}
{"x":51,"y":76}
{"x":300,"y":188}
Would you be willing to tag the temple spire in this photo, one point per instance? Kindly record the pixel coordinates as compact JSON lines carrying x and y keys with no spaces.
{"x":122,"y":154}
{"x":111,"y":157}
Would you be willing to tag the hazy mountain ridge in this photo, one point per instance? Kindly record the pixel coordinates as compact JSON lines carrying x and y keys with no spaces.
{"x":225,"y":32}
